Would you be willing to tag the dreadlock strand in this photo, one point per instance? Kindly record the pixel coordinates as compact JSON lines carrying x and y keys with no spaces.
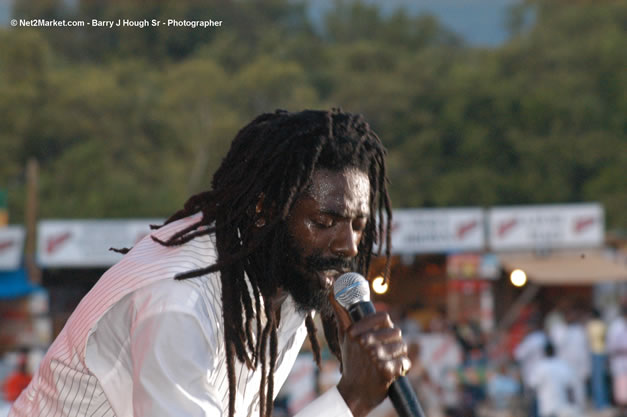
{"x":255,"y":350}
{"x":388,"y":210}
{"x":191,"y":230}
{"x":231,"y":304}
{"x":289,"y":193}
{"x":259,"y":338}
{"x":329,"y":326}
{"x":273,"y":356}
{"x":253,"y":274}
{"x":263,"y":359}
{"x":230,"y":368}
{"x":236,"y":312}
{"x":229,"y":338}
{"x":123,"y":251}
{"x":315,"y":346}
{"x":218,"y":266}
{"x":249,"y":314}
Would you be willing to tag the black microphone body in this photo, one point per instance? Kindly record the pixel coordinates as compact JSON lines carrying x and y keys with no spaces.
{"x":400,"y":392}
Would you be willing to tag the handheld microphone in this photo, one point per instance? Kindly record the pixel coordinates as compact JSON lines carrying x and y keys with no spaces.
{"x":352,"y":292}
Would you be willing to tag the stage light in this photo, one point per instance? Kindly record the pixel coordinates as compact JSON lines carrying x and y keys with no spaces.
{"x":379,"y":285}
{"x":518,"y":277}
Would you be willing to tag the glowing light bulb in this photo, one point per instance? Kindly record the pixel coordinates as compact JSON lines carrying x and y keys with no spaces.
{"x":379,"y":285}
{"x":518,"y":277}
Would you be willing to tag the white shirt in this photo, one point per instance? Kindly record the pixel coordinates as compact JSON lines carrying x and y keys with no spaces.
{"x":616,"y":342}
{"x":143,"y":344}
{"x":551,"y":379}
{"x":573,"y":348}
{"x":529,"y":352}
{"x":441,"y":354}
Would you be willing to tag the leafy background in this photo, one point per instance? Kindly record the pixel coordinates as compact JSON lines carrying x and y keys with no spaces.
{"x":129,"y":122}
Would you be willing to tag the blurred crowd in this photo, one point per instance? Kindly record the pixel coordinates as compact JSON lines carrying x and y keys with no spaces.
{"x":572,"y":361}
{"x":568,"y":363}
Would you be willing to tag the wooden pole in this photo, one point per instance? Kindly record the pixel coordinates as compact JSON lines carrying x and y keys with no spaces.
{"x":517,"y":307}
{"x":32,"y":207}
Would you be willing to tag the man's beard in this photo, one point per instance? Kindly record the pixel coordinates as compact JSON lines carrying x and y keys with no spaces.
{"x":300,"y":275}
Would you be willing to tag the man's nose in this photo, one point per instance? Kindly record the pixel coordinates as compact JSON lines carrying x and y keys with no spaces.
{"x":346,"y":241}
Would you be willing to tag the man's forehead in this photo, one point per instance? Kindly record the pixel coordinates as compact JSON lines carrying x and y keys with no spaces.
{"x":344,"y":190}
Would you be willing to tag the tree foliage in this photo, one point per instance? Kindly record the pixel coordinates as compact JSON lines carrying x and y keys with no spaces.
{"x":129,"y":122}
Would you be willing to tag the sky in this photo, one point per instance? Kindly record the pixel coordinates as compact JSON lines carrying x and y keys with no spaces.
{"x":479,"y":22}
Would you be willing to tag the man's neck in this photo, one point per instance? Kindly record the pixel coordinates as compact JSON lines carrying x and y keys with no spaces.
{"x":277,"y":301}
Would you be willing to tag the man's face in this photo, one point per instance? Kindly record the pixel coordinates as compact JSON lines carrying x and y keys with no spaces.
{"x":324,"y":229}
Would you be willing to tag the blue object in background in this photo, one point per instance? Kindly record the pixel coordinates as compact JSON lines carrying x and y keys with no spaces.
{"x":502,"y":389}
{"x":15,"y":284}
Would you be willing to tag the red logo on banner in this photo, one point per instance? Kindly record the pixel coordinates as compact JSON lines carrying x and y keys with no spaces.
{"x":55,"y":241}
{"x":465,"y":228}
{"x":6,"y":244}
{"x":506,"y":226}
{"x":583,"y":223}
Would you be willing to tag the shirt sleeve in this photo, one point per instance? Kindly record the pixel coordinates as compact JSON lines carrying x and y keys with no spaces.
{"x":329,"y":404}
{"x":171,"y":356}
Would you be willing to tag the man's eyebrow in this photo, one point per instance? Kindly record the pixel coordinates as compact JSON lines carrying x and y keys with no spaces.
{"x":336,"y":213}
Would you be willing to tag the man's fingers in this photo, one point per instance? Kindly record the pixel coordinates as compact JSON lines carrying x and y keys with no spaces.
{"x":385,"y":335}
{"x":405,"y":366}
{"x":379,"y":320}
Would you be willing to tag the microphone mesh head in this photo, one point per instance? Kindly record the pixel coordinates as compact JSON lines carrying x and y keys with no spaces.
{"x":351,"y":288}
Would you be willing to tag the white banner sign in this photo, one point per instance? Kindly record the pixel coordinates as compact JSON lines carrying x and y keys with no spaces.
{"x":11,"y":247}
{"x":437,"y":230}
{"x":86,"y":243}
{"x":546,"y":226}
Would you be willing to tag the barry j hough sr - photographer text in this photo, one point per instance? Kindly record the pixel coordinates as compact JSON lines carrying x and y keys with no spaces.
{"x":155,"y":22}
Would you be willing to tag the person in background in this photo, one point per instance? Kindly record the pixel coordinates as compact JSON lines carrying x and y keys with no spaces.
{"x":503,"y":386}
{"x":470,"y":338}
{"x":426,"y":389}
{"x":19,"y":379}
{"x":596,"y":330}
{"x":555,"y":320}
{"x":572,"y":346}
{"x":528,"y":353}
{"x":617,"y":352}
{"x":558,"y":389}
{"x":441,"y":356}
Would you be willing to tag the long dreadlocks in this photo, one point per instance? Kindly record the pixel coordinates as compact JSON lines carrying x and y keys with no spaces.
{"x":275,"y":157}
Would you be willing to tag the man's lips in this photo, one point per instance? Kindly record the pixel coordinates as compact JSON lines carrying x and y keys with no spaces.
{"x":328,"y":277}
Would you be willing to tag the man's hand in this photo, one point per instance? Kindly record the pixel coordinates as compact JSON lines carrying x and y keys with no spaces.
{"x":373,"y":356}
